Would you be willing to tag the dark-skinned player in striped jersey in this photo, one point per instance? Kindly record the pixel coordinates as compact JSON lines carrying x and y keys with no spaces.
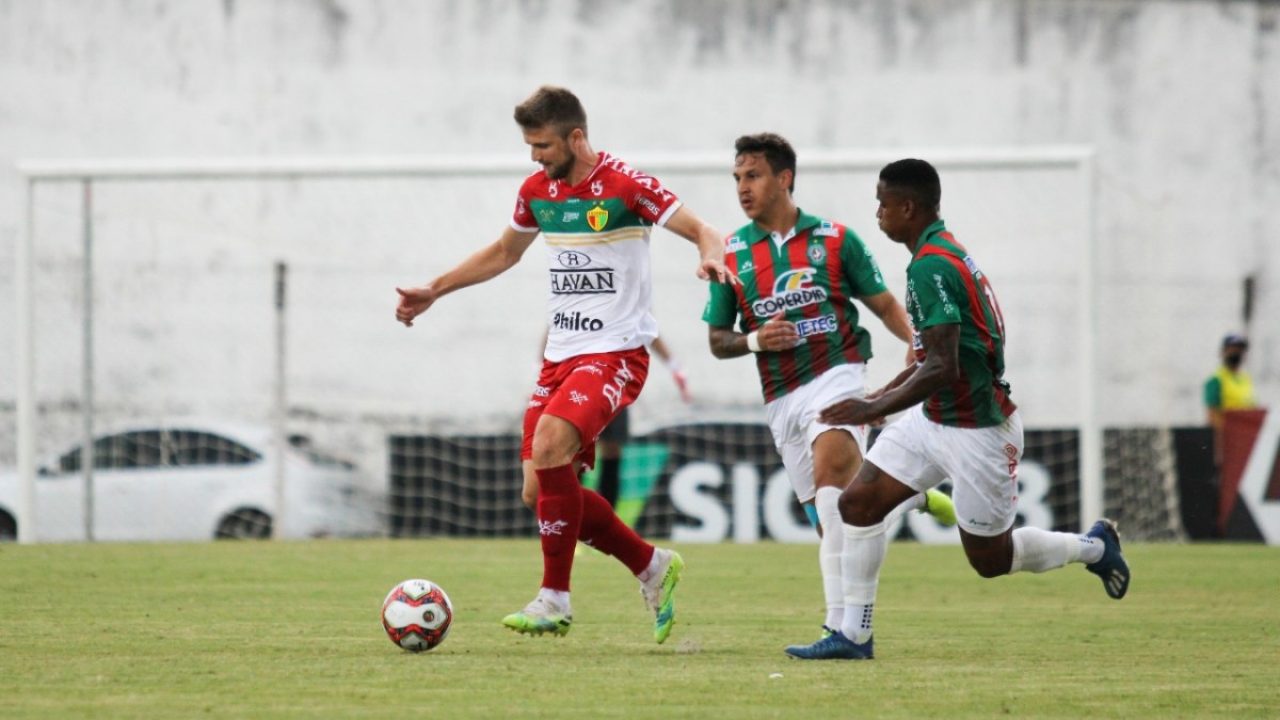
{"x":795,"y":312}
{"x":960,"y":424}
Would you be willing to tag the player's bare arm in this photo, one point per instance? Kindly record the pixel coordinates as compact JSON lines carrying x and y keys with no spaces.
{"x":775,"y":335}
{"x":485,"y":264}
{"x":894,"y":316}
{"x":709,"y":241}
{"x":941,"y":367}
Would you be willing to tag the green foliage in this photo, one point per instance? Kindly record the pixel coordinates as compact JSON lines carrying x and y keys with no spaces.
{"x":261,"y":629}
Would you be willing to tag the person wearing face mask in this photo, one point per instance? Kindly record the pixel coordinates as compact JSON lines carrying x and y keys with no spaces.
{"x":1229,"y":388}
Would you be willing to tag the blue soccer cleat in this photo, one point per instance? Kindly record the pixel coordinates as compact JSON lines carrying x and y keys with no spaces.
{"x":827,"y":632}
{"x":1112,"y":568}
{"x":834,"y":647}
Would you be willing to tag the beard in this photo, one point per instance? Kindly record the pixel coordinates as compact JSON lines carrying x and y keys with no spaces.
{"x":561,"y":171}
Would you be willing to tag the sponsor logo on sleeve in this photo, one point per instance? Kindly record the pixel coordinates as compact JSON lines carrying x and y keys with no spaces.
{"x":735,"y":244}
{"x":947,"y":306}
{"x":653,"y":186}
{"x":793,"y":289}
{"x":650,"y":206}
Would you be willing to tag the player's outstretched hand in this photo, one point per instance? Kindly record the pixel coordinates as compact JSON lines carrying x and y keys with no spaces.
{"x":712,"y":269}
{"x":854,"y":411}
{"x":413,"y":302}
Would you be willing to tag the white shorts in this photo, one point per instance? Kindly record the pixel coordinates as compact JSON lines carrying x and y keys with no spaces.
{"x":982,"y":464}
{"x":793,"y":420}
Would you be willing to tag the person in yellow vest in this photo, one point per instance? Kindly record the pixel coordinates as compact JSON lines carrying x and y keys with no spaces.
{"x":1230,"y":388}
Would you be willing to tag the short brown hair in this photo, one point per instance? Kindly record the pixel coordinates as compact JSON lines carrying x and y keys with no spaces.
{"x":554,"y":107}
{"x":776,"y":150}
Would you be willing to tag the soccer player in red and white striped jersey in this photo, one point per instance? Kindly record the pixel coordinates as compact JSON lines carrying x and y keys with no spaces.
{"x":595,"y":214}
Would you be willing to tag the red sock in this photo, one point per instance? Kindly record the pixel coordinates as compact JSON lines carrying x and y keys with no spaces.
{"x":559,"y":522}
{"x":603,"y":530}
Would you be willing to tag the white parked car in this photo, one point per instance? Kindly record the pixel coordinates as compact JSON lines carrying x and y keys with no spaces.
{"x":189,"y":481}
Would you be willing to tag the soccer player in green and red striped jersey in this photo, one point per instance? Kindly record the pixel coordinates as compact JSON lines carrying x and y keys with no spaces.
{"x":960,"y":424}
{"x":795,"y":311}
{"x":595,"y":213}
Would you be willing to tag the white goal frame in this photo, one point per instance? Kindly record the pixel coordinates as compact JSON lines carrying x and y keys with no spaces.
{"x":89,"y":173}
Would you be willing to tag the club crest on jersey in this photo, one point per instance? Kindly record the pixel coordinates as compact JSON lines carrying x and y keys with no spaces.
{"x":817,"y":253}
{"x":792,"y":289}
{"x":597,"y":218}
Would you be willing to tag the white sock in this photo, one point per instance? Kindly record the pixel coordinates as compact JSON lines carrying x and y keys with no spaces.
{"x":1036,"y":550}
{"x":915,"y":502}
{"x":830,"y":548}
{"x":558,"y":599}
{"x":864,"y":551}
{"x":654,"y":563}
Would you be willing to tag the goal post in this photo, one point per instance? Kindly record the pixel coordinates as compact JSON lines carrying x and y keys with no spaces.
{"x":693,"y":170}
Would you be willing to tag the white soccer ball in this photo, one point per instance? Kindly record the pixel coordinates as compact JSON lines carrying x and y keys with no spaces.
{"x":417,"y":615}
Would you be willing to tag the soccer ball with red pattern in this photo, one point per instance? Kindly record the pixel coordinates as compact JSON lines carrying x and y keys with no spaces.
{"x":417,"y":615}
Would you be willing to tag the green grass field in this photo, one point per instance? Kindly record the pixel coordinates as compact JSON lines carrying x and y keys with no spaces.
{"x":292,"y":630}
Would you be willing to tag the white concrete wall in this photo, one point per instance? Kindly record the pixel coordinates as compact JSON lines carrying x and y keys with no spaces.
{"x":1180,"y":99}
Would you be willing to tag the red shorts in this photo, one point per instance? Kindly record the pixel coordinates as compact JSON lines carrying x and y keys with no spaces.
{"x":588,"y":391}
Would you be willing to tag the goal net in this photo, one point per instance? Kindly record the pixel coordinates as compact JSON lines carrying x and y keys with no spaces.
{"x":153,"y":304}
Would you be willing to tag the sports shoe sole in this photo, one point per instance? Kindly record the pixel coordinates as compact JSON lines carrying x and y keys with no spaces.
{"x":558,"y":628}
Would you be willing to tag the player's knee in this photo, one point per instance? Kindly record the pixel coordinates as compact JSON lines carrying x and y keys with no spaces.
{"x":832,"y":477}
{"x":989,"y":567}
{"x":555,"y":442}
{"x":530,"y":498}
{"x":551,"y":452}
{"x":855,"y":508}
